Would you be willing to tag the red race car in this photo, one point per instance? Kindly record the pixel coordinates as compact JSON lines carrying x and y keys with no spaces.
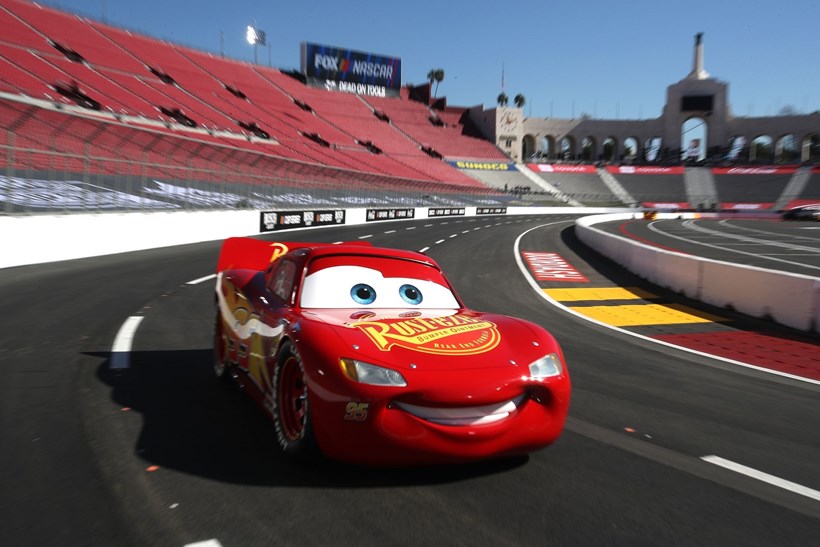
{"x":368,"y":355}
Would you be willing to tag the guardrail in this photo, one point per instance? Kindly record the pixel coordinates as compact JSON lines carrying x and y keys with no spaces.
{"x":790,"y":299}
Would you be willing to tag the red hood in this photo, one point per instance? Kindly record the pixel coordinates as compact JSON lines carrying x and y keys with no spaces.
{"x":434,"y":339}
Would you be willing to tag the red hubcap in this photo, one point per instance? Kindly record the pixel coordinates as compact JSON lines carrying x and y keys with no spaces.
{"x":292,"y":399}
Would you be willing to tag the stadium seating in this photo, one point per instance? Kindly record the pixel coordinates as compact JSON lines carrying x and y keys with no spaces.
{"x":162,"y":95}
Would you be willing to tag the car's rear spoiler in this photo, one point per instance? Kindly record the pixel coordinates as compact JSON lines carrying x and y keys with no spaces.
{"x":245,"y":253}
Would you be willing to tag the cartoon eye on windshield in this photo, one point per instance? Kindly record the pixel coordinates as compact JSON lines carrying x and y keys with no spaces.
{"x":362,"y":293}
{"x":389,"y":286}
{"x":410,"y":294}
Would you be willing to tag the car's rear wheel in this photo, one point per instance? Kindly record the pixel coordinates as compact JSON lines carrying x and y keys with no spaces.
{"x":221,"y":366}
{"x":291,"y":406}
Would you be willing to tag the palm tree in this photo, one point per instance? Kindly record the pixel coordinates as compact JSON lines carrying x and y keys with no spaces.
{"x":435,"y":75}
{"x":502,"y":99}
{"x":519,"y":100}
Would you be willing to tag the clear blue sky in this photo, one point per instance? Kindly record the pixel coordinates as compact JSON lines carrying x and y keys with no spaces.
{"x":608,"y":59}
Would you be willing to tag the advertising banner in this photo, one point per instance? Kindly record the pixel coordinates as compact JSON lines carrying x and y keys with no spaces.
{"x":491,"y":211}
{"x":270,"y":221}
{"x":446,"y":211}
{"x":556,"y":168}
{"x":483,"y":165}
{"x":746,"y":206}
{"x":756,"y":170}
{"x":350,"y":71}
{"x":389,"y":214}
{"x":665,"y":205}
{"x":645,"y":170}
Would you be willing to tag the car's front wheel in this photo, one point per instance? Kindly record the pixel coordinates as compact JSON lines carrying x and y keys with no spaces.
{"x":291,"y":405}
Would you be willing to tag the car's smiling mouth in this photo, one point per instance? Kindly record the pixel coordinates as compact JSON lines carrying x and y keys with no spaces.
{"x":464,"y":415}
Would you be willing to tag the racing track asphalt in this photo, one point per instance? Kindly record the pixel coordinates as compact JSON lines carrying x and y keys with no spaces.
{"x":162,"y":454}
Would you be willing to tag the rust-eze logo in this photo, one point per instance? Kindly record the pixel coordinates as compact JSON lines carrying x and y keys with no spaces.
{"x":450,"y":335}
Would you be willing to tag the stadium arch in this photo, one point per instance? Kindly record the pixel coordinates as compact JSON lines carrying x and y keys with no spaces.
{"x":697,"y":95}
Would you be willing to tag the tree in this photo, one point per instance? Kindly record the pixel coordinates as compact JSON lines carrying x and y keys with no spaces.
{"x":520,"y":100}
{"x":502,"y":99}
{"x":435,"y":75}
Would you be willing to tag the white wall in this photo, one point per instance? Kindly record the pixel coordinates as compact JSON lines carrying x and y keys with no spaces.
{"x":789,"y":299}
{"x":35,"y":239}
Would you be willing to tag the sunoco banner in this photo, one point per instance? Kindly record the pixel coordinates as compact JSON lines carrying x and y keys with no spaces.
{"x":483,"y":165}
{"x":287,"y":220}
{"x":351,"y":71}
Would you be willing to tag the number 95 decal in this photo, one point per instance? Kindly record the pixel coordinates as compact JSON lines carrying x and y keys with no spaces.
{"x":356,"y":412}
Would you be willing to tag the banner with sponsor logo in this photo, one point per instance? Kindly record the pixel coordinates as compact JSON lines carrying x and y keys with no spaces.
{"x":666,"y":205}
{"x":483,"y":165}
{"x":446,"y":211}
{"x":745,"y":206}
{"x":350,"y":71}
{"x":270,"y":221}
{"x":389,"y":214}
{"x":645,"y":170}
{"x":557,"y":168}
{"x":491,"y":211}
{"x":756,"y":170}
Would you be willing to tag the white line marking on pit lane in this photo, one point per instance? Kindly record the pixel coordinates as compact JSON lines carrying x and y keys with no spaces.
{"x":390,"y":232}
{"x":121,"y":349}
{"x":365,"y":237}
{"x":206,"y":543}
{"x":765,"y":477}
{"x":424,"y":249}
{"x":439,"y":241}
{"x":199,"y":280}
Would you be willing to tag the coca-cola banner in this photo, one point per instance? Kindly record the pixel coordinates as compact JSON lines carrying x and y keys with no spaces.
{"x":645,"y":170}
{"x":553,"y":168}
{"x":756,"y":170}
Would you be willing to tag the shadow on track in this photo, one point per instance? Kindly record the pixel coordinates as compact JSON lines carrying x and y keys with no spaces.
{"x":196,"y":424}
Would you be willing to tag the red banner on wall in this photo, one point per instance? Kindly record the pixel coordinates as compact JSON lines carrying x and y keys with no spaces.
{"x":553,"y":168}
{"x":645,"y":170}
{"x":756,"y":170}
{"x":746,"y":206}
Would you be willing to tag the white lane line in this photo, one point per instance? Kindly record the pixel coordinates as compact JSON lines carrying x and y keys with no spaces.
{"x":424,"y":249}
{"x":365,"y":237}
{"x":765,"y":477}
{"x":121,"y":349}
{"x":466,"y":232}
{"x":410,"y":228}
{"x":427,"y":225}
{"x":199,"y":280}
{"x":390,"y":232}
{"x":454,"y":235}
{"x":439,"y":241}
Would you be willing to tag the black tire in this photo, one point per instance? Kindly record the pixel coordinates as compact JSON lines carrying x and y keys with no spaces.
{"x":291,"y":405}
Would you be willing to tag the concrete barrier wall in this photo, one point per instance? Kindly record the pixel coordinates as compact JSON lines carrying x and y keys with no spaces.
{"x":35,"y":239}
{"x":789,"y":299}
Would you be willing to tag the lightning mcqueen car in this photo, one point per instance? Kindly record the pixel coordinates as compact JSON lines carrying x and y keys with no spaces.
{"x":368,"y":355}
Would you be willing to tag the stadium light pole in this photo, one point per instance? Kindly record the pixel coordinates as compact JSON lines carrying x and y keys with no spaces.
{"x":256,"y":38}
